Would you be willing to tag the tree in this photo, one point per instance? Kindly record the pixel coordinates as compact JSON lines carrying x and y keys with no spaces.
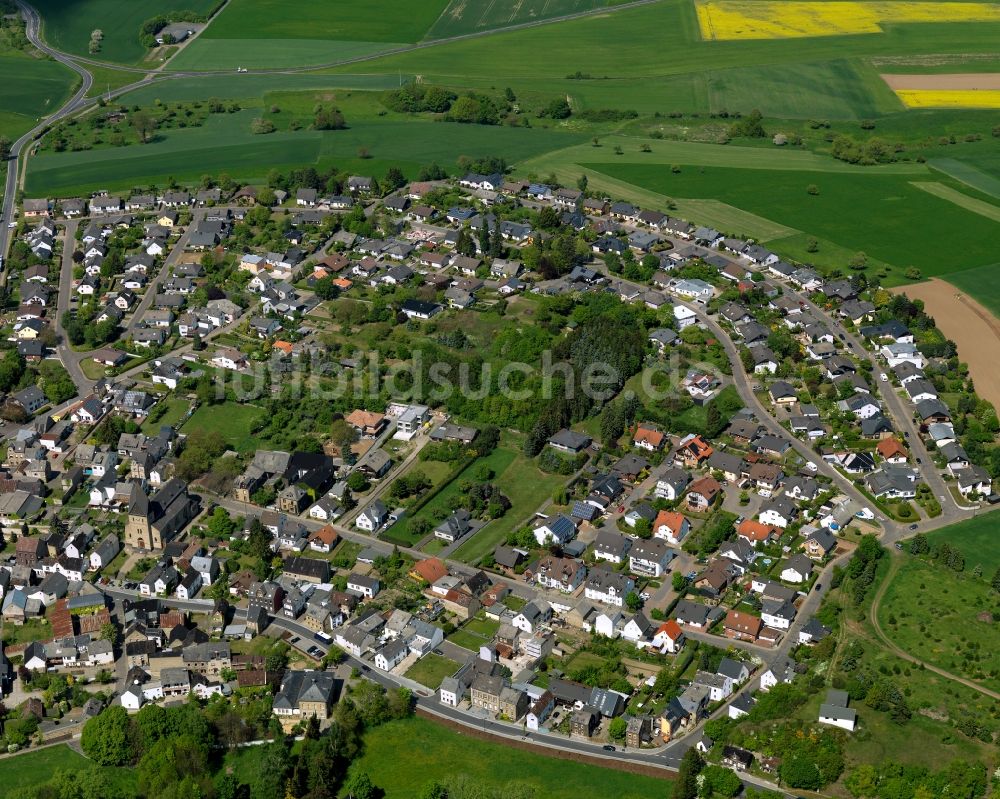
{"x":4,"y":148}
{"x":678,"y":581}
{"x":800,"y":771}
{"x":720,"y":781}
{"x":617,"y":729}
{"x":107,"y":738}
{"x":109,"y":632}
{"x":686,"y":786}
{"x":360,"y":786}
{"x":633,"y":601}
{"x":394,"y":179}
{"x":143,"y":123}
{"x":329,"y":118}
{"x":357,"y":481}
{"x":995,"y":582}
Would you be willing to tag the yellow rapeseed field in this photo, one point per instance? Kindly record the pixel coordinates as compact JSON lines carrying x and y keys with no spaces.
{"x":950,"y":98}
{"x":786,"y":19}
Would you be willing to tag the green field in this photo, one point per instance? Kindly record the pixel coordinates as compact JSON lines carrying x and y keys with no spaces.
{"x":933,"y":613}
{"x":67,"y":26}
{"x":224,"y":144}
{"x":879,"y":213}
{"x":30,"y":88}
{"x":205,"y":54}
{"x":977,"y":538}
{"x":968,"y":174}
{"x":34,"y":767}
{"x":431,"y":669}
{"x":370,"y":21}
{"x":462,"y":17}
{"x":983,"y":283}
{"x":402,"y":756}
{"x":263,"y":34}
{"x":230,"y":419}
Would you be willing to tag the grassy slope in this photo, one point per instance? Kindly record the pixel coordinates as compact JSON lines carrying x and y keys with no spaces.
{"x":935,"y":613}
{"x":68,"y":25}
{"x":396,"y":758}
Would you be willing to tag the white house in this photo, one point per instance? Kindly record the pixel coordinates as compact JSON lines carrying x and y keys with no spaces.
{"x":559,"y":530}
{"x":372,"y":517}
{"x":684,"y":316}
{"x":835,"y":711}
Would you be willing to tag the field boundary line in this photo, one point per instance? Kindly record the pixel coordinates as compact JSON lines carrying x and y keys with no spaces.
{"x":955,"y":197}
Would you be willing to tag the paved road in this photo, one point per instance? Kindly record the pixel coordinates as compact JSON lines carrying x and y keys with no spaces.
{"x":70,"y":358}
{"x":72,"y":105}
{"x":165,"y":269}
{"x":900,"y":412}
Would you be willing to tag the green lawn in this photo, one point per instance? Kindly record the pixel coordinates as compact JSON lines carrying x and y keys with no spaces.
{"x":403,"y":756}
{"x":528,"y":488}
{"x":68,"y":26}
{"x":431,"y":669}
{"x":976,"y":538}
{"x":464,"y":638}
{"x":932,"y":612}
{"x":177,"y":408}
{"x":230,"y":419}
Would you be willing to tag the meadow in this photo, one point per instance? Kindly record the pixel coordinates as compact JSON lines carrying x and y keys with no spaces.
{"x":935,"y":614}
{"x":431,"y":669}
{"x":396,"y":752}
{"x":68,"y":25}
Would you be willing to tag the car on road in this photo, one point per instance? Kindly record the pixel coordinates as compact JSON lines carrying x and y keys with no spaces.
{"x":919,"y":461}
{"x":898,"y":545}
{"x":644,"y":596}
{"x":819,"y":586}
{"x":841,"y":336}
{"x":621,"y":508}
{"x":913,"y":527}
{"x":883,"y":377}
{"x":608,"y":748}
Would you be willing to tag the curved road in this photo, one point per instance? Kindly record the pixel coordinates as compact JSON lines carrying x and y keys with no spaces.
{"x":74,"y":103}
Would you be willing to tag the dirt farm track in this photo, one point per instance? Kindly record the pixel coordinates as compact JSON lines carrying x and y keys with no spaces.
{"x":973,"y":328}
